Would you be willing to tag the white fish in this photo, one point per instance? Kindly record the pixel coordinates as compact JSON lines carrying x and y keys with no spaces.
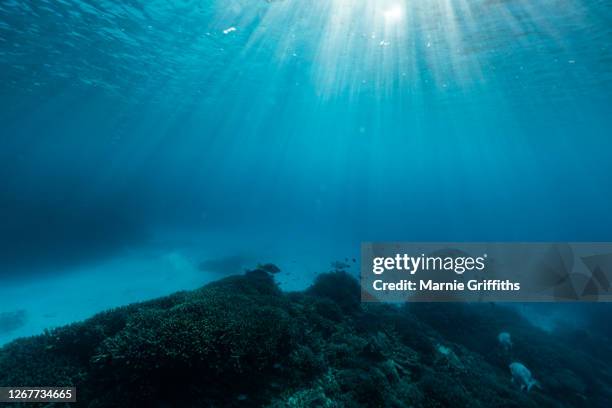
{"x":505,"y":340}
{"x":522,"y":376}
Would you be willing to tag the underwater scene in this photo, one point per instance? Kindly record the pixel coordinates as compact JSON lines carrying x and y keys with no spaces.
{"x":185,"y":186}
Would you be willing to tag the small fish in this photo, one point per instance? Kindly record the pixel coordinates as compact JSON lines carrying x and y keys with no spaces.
{"x":522,"y":376}
{"x":10,"y":321}
{"x":269,"y":267}
{"x":505,"y":340}
{"x":339,"y":265}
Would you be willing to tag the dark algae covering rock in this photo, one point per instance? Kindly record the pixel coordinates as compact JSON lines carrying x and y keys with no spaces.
{"x":242,"y":342}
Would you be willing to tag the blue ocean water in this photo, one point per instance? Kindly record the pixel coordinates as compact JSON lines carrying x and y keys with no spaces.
{"x":139,"y":139}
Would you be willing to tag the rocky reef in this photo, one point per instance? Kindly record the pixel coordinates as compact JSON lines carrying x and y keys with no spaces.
{"x":242,"y":342}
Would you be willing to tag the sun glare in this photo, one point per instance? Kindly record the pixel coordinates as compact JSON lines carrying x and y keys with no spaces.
{"x":394,"y":13}
{"x":387,"y":46}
